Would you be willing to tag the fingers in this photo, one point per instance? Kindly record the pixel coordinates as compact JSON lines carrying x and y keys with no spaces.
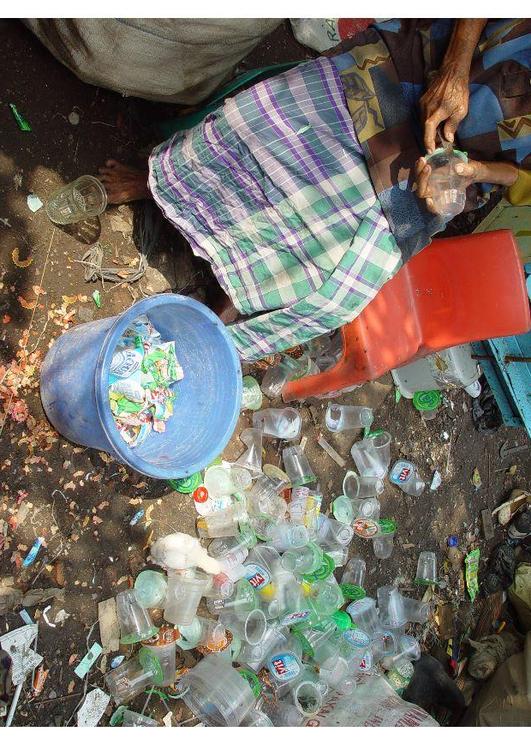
{"x":465,"y":170}
{"x":430,"y":130}
{"x":422,"y":184}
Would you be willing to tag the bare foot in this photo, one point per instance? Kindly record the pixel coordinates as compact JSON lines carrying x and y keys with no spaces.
{"x":124,"y":184}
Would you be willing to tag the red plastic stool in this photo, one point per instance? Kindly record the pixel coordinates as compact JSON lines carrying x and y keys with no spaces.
{"x":455,"y":291}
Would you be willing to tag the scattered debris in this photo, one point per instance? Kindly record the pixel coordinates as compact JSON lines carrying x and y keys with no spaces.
{"x":109,"y":627}
{"x":476,"y":479}
{"x":34,"y":551}
{"x":486,"y":522}
{"x":96,"y":296}
{"x":34,"y":203}
{"x":471,"y":573}
{"x":21,"y":121}
{"x":90,"y":713}
{"x":436,"y":481}
{"x":87,"y":662}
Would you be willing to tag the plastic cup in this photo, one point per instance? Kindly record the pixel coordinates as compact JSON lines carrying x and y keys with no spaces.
{"x":302,"y":560}
{"x":297,"y":466}
{"x":150,"y":588}
{"x":190,"y":635}
{"x":354,"y":572}
{"x":357,"y":487}
{"x":221,"y":523}
{"x":364,"y":615}
{"x":286,"y":535}
{"x":133,"y":676}
{"x":338,"y":554}
{"x":287,"y":596}
{"x":250,"y":629}
{"x":325,"y":597}
{"x":406,"y":476}
{"x":331,"y":531}
{"x":263,"y":498}
{"x":307,"y":693}
{"x":243,"y":601}
{"x":415,"y":611}
{"x":285,"y":424}
{"x":221,"y":587}
{"x":134,"y":620}
{"x":184,"y":595}
{"x":288,"y":369}
{"x":163,"y":647}
{"x":383,"y":546}
{"x":372,"y":456}
{"x":255,"y":655}
{"x":283,"y":714}
{"x":408,"y":649}
{"x":285,"y":664}
{"x":217,"y":693}
{"x":447,"y":187}
{"x":134,"y":719}
{"x":251,"y":458}
{"x":226,"y":480}
{"x":391,"y":606}
{"x":256,"y":719}
{"x":251,"y":394}
{"x":427,"y":403}
{"x":426,"y":569}
{"x":80,"y":199}
{"x":339,"y":418}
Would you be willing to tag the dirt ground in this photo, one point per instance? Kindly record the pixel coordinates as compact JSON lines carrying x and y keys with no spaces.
{"x":81,"y":501}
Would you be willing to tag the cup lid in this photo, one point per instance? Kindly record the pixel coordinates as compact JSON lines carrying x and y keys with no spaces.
{"x":387,"y":526}
{"x":322,"y":572}
{"x":352,"y":592}
{"x":342,"y":620}
{"x":150,"y":663}
{"x":186,"y":485}
{"x":427,"y":400}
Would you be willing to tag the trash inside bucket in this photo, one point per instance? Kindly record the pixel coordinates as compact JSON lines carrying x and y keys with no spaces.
{"x":75,"y":387}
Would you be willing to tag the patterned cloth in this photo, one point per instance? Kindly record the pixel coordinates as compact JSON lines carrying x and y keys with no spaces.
{"x":384,"y":74}
{"x":273,"y":190}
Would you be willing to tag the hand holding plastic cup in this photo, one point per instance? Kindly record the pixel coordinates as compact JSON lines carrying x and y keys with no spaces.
{"x":447,"y":186}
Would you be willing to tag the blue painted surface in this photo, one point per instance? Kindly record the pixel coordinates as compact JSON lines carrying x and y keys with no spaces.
{"x":75,"y":378}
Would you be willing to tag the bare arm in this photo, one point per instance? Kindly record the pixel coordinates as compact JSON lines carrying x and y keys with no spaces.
{"x":446,"y":99}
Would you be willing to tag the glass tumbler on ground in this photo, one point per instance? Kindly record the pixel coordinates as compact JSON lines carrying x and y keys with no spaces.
{"x":80,"y":199}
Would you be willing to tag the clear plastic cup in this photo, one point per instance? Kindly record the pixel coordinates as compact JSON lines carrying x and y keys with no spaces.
{"x":184,"y":595}
{"x":254,"y":655}
{"x":135,"y":623}
{"x":426,"y":569}
{"x":338,"y":554}
{"x":329,"y":530}
{"x":391,"y":606}
{"x":288,"y":369}
{"x":221,"y":523}
{"x":221,"y":587}
{"x":133,"y":676}
{"x":217,"y":693}
{"x":447,"y":187}
{"x":150,"y":588}
{"x":286,"y":598}
{"x":190,"y":635}
{"x":357,"y":487}
{"x":250,"y":629}
{"x":163,"y":647}
{"x":297,"y":466}
{"x":406,"y":476}
{"x":251,"y":458}
{"x":213,"y":636}
{"x":364,"y":615}
{"x":80,"y":199}
{"x":383,"y":546}
{"x":408,"y":650}
{"x":285,"y":665}
{"x":251,"y":394}
{"x":243,"y":601}
{"x":354,"y":572}
{"x":256,"y":719}
{"x":339,"y":418}
{"x":134,"y":719}
{"x":261,"y":567}
{"x":226,"y":480}
{"x":325,"y":597}
{"x":372,"y":455}
{"x":415,"y":611}
{"x":283,"y":714}
{"x":302,"y":560}
{"x":263,"y":499}
{"x":285,"y":424}
{"x":286,"y":535}
{"x":307,"y":693}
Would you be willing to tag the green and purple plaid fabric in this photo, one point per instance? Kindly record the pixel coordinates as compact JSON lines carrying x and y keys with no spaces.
{"x":273,"y":190}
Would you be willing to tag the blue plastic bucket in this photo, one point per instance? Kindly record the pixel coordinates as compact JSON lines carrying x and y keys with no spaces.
{"x":75,"y":376}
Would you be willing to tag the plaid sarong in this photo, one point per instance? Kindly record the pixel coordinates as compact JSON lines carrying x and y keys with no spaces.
{"x":273,"y":190}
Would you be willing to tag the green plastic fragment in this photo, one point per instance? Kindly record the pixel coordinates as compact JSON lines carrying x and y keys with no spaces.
{"x":471,"y":573}
{"x":96,"y":296}
{"x":21,"y":121}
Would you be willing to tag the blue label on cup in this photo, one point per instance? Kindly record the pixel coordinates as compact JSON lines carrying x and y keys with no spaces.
{"x":402,"y":472}
{"x":357,"y":637}
{"x":257,"y":576}
{"x":284,"y":666}
{"x":295,"y":617}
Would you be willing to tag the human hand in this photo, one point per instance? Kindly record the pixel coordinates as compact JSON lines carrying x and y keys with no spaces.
{"x":471,"y":171}
{"x":446,"y":100}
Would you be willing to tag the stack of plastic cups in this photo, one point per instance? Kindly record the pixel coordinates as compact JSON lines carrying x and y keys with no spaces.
{"x":184,"y":595}
{"x":372,"y":455}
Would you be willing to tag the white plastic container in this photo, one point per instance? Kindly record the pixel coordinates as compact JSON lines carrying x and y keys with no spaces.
{"x":445,"y":369}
